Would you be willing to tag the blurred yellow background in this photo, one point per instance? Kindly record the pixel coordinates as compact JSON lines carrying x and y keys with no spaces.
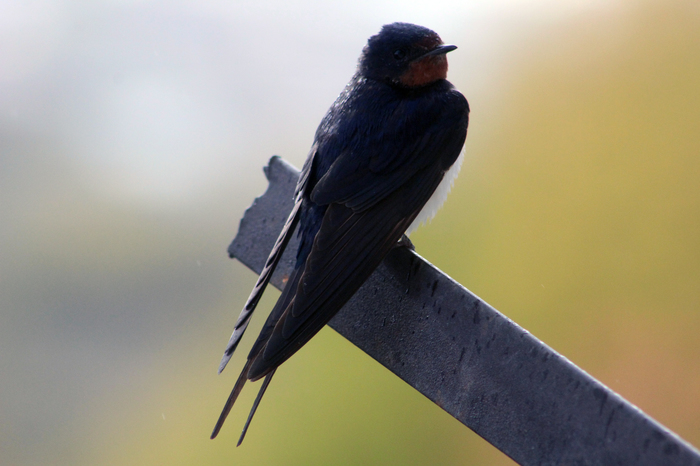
{"x":132,"y":137}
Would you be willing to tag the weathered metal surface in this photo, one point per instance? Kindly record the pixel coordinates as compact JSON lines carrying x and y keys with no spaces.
{"x":482,"y":368}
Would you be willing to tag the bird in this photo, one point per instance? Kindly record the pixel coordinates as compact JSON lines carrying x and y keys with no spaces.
{"x":382,"y":162}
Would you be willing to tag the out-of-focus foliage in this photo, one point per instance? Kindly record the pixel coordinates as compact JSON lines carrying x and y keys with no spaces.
{"x":576,"y":214}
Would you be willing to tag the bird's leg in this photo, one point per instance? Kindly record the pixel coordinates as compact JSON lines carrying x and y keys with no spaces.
{"x":405,"y":242}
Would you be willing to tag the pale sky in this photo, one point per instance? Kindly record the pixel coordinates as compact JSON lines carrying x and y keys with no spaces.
{"x":157,"y":101}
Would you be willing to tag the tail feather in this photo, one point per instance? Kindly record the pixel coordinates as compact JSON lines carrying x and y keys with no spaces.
{"x":265,"y":383}
{"x":264,"y":278}
{"x":242,"y":379}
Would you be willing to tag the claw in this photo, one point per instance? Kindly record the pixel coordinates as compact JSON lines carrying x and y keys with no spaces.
{"x":406,"y":243}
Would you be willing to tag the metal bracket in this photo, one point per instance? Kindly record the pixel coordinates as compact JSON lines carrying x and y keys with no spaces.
{"x":492,"y":375}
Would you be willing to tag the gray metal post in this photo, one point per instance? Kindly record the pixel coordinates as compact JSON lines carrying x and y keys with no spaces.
{"x":496,"y":378}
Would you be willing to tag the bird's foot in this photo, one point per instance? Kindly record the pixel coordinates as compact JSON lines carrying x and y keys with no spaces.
{"x":406,"y":243}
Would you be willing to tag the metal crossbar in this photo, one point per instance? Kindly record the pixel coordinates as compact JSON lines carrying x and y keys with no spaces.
{"x":489,"y":373}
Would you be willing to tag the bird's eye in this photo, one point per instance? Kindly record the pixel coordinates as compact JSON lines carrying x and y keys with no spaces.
{"x":399,"y":54}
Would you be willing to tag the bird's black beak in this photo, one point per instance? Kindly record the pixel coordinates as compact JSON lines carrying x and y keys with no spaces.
{"x":439,"y":50}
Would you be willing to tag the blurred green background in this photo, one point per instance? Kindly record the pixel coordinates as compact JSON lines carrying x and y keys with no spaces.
{"x":132,"y":137}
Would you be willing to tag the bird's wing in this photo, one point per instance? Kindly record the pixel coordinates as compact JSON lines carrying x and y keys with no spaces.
{"x":371,"y":199}
{"x":347,"y":249}
{"x":366,"y":184}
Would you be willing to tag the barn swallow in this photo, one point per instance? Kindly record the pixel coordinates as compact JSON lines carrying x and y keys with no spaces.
{"x":382,"y":162}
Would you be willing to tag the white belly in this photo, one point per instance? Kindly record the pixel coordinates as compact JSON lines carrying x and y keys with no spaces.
{"x":438,"y":197}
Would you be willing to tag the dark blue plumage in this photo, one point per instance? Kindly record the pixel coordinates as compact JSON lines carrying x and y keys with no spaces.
{"x":378,"y":155}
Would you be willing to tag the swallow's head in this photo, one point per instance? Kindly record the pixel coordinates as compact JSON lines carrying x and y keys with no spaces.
{"x":405,"y":55}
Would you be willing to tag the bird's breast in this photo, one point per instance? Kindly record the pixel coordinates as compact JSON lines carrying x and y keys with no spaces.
{"x":439,"y":196}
